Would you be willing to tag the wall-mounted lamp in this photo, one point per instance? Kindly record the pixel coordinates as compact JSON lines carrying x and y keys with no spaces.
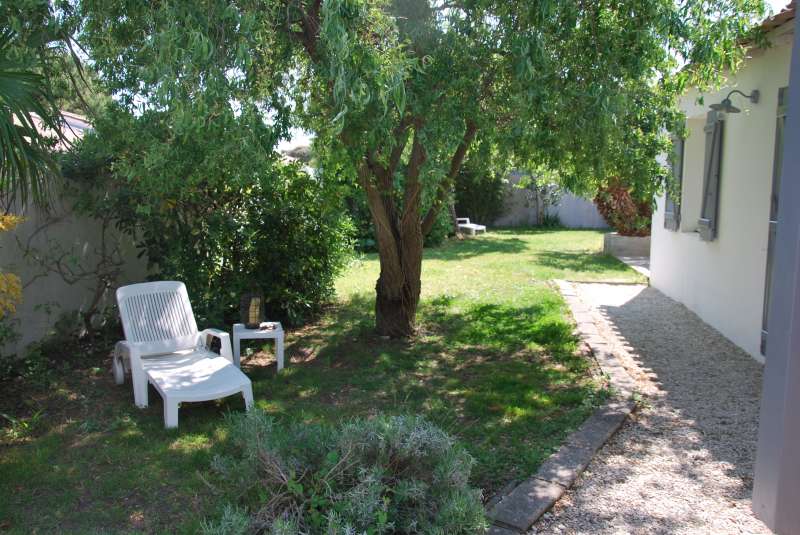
{"x":727,"y":106}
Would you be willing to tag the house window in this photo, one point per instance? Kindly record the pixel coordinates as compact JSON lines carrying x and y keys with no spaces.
{"x":672,"y":205}
{"x":777,"y":163}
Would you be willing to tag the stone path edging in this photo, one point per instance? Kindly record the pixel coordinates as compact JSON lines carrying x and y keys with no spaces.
{"x":516,"y":511}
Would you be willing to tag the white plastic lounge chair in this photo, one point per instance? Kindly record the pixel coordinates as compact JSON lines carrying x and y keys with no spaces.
{"x":471,"y":228}
{"x":163,"y":347}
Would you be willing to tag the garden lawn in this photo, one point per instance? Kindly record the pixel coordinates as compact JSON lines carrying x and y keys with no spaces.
{"x":495,"y":364}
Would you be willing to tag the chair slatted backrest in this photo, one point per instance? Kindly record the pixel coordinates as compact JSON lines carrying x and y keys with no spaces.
{"x":157,"y":317}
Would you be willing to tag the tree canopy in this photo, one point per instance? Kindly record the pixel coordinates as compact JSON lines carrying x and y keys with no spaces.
{"x":397,"y":91}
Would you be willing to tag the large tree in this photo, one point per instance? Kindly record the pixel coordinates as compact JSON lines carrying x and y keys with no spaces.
{"x":397,"y":91}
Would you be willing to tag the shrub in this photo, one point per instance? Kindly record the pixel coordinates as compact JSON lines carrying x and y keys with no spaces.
{"x":10,"y":285}
{"x":442,"y":228}
{"x":218,"y":210}
{"x":10,"y":296}
{"x":625,"y":213}
{"x":480,"y":194}
{"x":389,"y":474}
{"x":543,"y":194}
{"x":550,"y":221}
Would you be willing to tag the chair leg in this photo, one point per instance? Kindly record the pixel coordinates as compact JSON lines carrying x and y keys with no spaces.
{"x":118,"y":368}
{"x":171,"y":413}
{"x":237,"y":351}
{"x":140,"y":393}
{"x":279,"y":350}
{"x":247,"y":394}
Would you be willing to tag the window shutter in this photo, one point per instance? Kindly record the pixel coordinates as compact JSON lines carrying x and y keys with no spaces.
{"x":672,"y":206}
{"x":711,"y":176}
{"x":780,"y":123}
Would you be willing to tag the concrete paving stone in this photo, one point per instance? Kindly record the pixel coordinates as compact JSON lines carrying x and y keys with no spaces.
{"x":578,"y":308}
{"x":567,"y":463}
{"x":596,"y":342}
{"x":583,"y":317}
{"x":597,"y":429}
{"x":526,"y":503}
{"x":588,"y":328}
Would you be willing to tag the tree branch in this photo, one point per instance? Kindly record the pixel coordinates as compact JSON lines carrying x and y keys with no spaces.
{"x":447,"y":183}
{"x":309,"y":23}
{"x":400,"y":134}
{"x":411,"y":198}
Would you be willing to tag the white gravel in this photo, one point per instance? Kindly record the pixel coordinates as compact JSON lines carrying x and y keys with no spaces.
{"x":684,"y":463}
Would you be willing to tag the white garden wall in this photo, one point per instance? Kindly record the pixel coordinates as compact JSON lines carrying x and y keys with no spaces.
{"x":577,"y":212}
{"x":45,"y":298}
{"x":572,"y":211}
{"x":723,"y":280}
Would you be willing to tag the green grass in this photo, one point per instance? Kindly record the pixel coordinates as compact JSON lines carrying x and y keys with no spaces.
{"x":495,"y":363}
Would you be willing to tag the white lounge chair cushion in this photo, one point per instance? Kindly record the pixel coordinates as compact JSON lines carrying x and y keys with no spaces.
{"x":194,"y":375}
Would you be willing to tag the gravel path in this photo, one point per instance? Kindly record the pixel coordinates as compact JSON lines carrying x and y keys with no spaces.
{"x":684,"y":463}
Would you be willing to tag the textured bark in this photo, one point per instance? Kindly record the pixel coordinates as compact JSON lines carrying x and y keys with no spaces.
{"x":400,"y":251}
{"x":397,"y":299}
{"x":399,"y":238}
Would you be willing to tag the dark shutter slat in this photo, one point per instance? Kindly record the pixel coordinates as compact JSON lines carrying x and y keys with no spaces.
{"x":707,"y":225}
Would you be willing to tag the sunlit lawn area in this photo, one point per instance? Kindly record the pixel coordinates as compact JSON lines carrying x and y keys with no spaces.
{"x":495,"y":364}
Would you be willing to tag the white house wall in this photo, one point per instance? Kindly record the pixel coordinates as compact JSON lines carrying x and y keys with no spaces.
{"x":723,"y":280}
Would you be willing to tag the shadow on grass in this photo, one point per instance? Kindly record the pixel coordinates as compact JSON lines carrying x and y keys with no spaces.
{"x":471,"y":247}
{"x":499,"y":328}
{"x":534,"y":231}
{"x":506,"y":381}
{"x":100,"y":465}
{"x":581,"y":261}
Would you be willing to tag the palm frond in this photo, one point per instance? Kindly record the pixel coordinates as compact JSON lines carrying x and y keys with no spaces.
{"x":26,"y":111}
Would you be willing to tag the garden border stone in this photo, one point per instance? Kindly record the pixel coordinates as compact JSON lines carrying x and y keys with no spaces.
{"x":515,"y":511}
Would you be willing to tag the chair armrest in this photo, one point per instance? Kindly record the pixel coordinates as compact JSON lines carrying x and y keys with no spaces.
{"x":138,"y":377}
{"x":132,"y":353}
{"x":225,"y":348}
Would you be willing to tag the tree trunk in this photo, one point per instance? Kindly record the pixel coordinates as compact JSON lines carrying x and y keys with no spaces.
{"x":399,"y":233}
{"x":397,"y":297}
{"x":399,"y":238}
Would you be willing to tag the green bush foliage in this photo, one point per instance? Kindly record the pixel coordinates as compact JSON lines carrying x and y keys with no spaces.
{"x":215,"y":208}
{"x":388,"y":474}
{"x":481,"y":183}
{"x":479,"y":196}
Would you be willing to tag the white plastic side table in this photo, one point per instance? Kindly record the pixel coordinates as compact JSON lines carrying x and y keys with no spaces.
{"x":240,"y":332}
